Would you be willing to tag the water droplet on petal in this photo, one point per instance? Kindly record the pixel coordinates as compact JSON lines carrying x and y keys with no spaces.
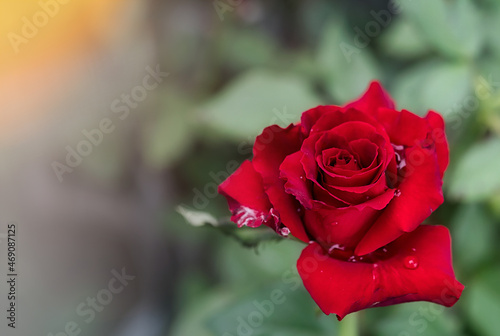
{"x":397,"y":192}
{"x":411,"y":262}
{"x":414,"y":249}
{"x":302,"y":177}
{"x":336,"y":247}
{"x":285,"y":231}
{"x":398,"y":147}
{"x":384,"y":250}
{"x":334,"y":223}
{"x":402,"y":164}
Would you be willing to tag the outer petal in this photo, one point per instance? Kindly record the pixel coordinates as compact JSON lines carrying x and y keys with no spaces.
{"x":245,"y":195}
{"x":404,"y":128}
{"x":419,"y":194}
{"x":270,"y":149}
{"x":439,"y":138}
{"x":296,"y":184}
{"x":343,"y":287}
{"x":341,"y":228}
{"x":372,"y":99}
{"x":311,"y":116}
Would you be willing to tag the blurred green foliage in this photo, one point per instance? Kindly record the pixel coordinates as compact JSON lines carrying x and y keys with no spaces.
{"x":272,"y":59}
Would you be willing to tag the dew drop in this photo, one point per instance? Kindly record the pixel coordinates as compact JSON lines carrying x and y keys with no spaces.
{"x":398,"y":147}
{"x":384,"y":250}
{"x":285,"y":231}
{"x":334,"y":223}
{"x":402,"y":163}
{"x":302,"y":177}
{"x":411,"y":262}
{"x":414,"y":249}
{"x":397,"y":192}
{"x":336,"y":247}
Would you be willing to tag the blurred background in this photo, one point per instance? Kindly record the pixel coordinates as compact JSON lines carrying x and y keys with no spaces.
{"x":115,"y":113}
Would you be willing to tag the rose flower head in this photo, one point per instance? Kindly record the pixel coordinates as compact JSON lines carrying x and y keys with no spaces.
{"x":354,"y":183}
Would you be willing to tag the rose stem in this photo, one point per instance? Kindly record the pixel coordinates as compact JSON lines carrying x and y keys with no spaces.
{"x":349,"y":325}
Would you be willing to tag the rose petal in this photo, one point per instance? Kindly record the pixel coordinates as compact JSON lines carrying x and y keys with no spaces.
{"x":325,"y":198}
{"x":310,"y":117}
{"x":363,"y":151}
{"x":372,"y":99}
{"x":338,"y":158}
{"x":358,"y":195}
{"x":439,"y":137}
{"x":309,"y":150}
{"x":342,"y":227}
{"x":403,"y":128}
{"x":366,"y":150}
{"x":353,"y":180}
{"x":270,"y":149}
{"x":419,"y":194}
{"x":418,"y":268}
{"x":296,"y":184}
{"x":246,"y":198}
{"x":362,"y":177}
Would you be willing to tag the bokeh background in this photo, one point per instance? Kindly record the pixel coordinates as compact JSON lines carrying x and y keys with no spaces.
{"x":234,"y":67}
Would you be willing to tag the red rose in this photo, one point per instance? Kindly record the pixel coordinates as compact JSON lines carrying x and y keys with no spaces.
{"x":355,"y":183}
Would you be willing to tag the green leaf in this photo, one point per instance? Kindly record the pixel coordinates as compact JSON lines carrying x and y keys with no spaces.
{"x":169,"y":134}
{"x":433,"y":85}
{"x":260,"y":313}
{"x":450,"y":26}
{"x":247,"y":237}
{"x":269,"y":260}
{"x":473,"y":235}
{"x":476,"y":176}
{"x":258,"y":99}
{"x":482,"y":303}
{"x":191,"y":321}
{"x":403,"y":40}
{"x":244,"y":48}
{"x":418,"y":318}
{"x":493,"y":38}
{"x":494,"y":205}
{"x":197,"y":218}
{"x":347,"y":70}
